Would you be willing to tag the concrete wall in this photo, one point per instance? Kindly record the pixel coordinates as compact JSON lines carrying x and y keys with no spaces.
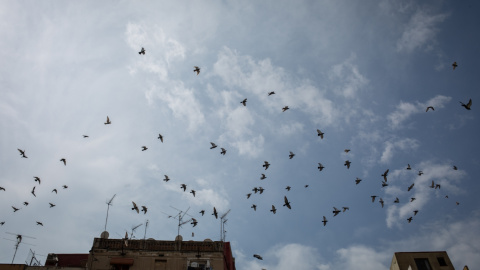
{"x":402,"y":260}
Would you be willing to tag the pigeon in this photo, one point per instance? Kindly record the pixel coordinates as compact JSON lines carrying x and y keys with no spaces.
{"x":285,"y":108}
{"x":166,"y":178}
{"x":64,"y":161}
{"x":468,"y":105}
{"x":2,"y":188}
{"x":385,"y":175}
{"x":357,"y":181}
{"x":345,"y":208}
{"x":335,"y":211}
{"x":144,"y":209}
{"x":55,"y":190}
{"x":202,"y":212}
{"x":432,"y":185}
{"x":347,"y":163}
{"x":33,"y":192}
{"x":291,"y":155}
{"x":39,"y":223}
{"x":257,"y":256}
{"x":261,"y":189}
{"x":271,"y":93}
{"x":396,"y":200}
{"x":15,"y":209}
{"x":255,"y":189}
{"x":320,"y":134}
{"x":346,"y":150}
{"x":1,"y":223}
{"x":273,"y":210}
{"x":373,"y":198}
{"x":415,"y":212}
{"x":244,"y":102}
{"x":142,"y":51}
{"x":215,"y":213}
{"x":381,"y":202}
{"x":248,"y":195}
{"x":320,"y":166}
{"x":85,"y":136}
{"x":196,"y":69}
{"x":37,"y":179}
{"x":420,"y":173}
{"x":266,"y":165}
{"x":213,"y":145}
{"x":65,"y":186}
{"x":324,"y":221}
{"x":144,"y":148}
{"x":184,"y":187}
{"x":306,"y":186}
{"x":412,"y":199}
{"x":409,"y":219}
{"x":384,"y":184}
{"x":411,"y":186}
{"x":455,"y":167}
{"x":454,"y":65}
{"x":194,"y":222}
{"x":408,"y":167}
{"x":108,"y":121}
{"x":193,"y":192}
{"x":288,"y":188}
{"x":22,"y":153}
{"x":430,"y":107}
{"x":254,"y":206}
{"x":287,"y":203}
{"x":135,"y":207}
{"x":223,"y":152}
{"x":160,"y":137}
{"x":51,"y":204}
{"x":437,"y":186}
{"x":263,"y":176}
{"x":25,"y":203}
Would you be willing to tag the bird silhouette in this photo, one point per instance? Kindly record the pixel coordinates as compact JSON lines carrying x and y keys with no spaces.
{"x":288,"y":188}
{"x":291,"y":155}
{"x":144,"y":148}
{"x":357,"y":181}
{"x":108,"y":121}
{"x":193,"y":192}
{"x":432,"y":185}
{"x":160,"y":137}
{"x":411,"y":186}
{"x":381,"y":202}
{"x":65,"y":186}
{"x":64,"y":161}
{"x":263,"y":176}
{"x":248,"y":195}
{"x":335,"y":211}
{"x":384,"y":184}
{"x":320,"y":134}
{"x":51,"y":205}
{"x":55,"y":190}
{"x":257,"y":256}
{"x":346,"y":150}
{"x":37,"y":179}
{"x":420,"y":173}
{"x":213,"y":145}
{"x":412,"y":199}
{"x":22,"y":153}
{"x":196,"y":69}
{"x":166,"y":179}
{"x":202,"y":212}
{"x":2,"y":188}
{"x":409,"y":219}
{"x":85,"y":136}
{"x":306,"y":186}
{"x":15,"y":209}
{"x":39,"y":223}
{"x":135,"y":207}
{"x":33,"y":192}
{"x":223,"y":152}
{"x":455,"y":167}
{"x":184,"y":187}
{"x":468,"y":105}
{"x":287,"y":203}
{"x":266,"y":165}
{"x":396,"y":200}
{"x":385,"y":175}
{"x":144,"y":209}
{"x":454,"y":65}
{"x":273,"y":210}
{"x":215,"y":213}
{"x":415,"y":212}
{"x":324,"y":221}
{"x":430,"y":107}
{"x":320,"y":166}
{"x":345,"y":208}
{"x":260,"y":190}
{"x":373,"y":198}
{"x":1,"y":223}
{"x":194,"y":222}
{"x":255,"y":189}
{"x":408,"y":167}
{"x":347,"y":163}
{"x":142,"y":51}
{"x":254,"y":206}
{"x":437,"y":186}
{"x":271,"y":93}
{"x":244,"y":102}
{"x":285,"y":108}
{"x":25,"y":203}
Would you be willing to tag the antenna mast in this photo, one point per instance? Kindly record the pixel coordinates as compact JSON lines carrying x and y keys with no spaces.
{"x":19,"y":240}
{"x":133,"y":230}
{"x":108,"y":208}
{"x":222,"y":225}
{"x":180,"y":218}
{"x":146,"y":225}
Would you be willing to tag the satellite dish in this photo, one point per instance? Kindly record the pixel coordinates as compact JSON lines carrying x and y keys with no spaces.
{"x":104,"y":235}
{"x":179,"y":238}
{"x":208,"y":240}
{"x":150,"y":239}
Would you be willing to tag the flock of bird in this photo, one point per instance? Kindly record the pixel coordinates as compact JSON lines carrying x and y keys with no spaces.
{"x":273,"y":209}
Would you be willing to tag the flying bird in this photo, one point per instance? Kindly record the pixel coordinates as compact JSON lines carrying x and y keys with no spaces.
{"x":254,"y":206}
{"x":25,"y":203}
{"x":2,"y":188}
{"x":255,"y":189}
{"x":437,"y":186}
{"x":411,"y":186}
{"x":33,"y":192}
{"x":415,"y":212}
{"x":287,"y":203}
{"x":215,"y":213}
{"x":324,"y":221}
{"x":202,"y":212}
{"x":257,"y":256}
{"x":346,"y":150}
{"x":273,"y":210}
{"x":357,"y":181}
{"x":385,"y":175}
{"x":39,"y":223}
{"x":37,"y":179}
{"x":108,"y":121}
{"x":335,"y":211}
{"x":320,"y":166}
{"x":285,"y":108}
{"x":345,"y":208}
{"x":409,"y":219}
{"x":454,"y":65}
{"x":430,"y":107}
{"x":22,"y":153}
{"x":381,"y":202}
{"x":213,"y":145}
{"x":135,"y":207}
{"x":396,"y":200}
{"x":347,"y":163}
{"x":65,"y":186}
{"x":306,"y":186}
{"x":223,"y":152}
{"x":468,"y":105}
{"x":384,"y":184}
{"x":184,"y":187}
{"x":432,"y":185}
{"x":142,"y":51}
{"x":455,"y":167}
{"x":271,"y":93}
{"x":288,"y":188}
{"x":194,"y":222}
{"x":144,"y":148}
{"x":193,"y":192}
{"x":408,"y":167}
{"x":291,"y":155}
{"x":263,"y":176}
{"x":15,"y":209}
{"x":420,"y":173}
{"x":55,"y":190}
{"x":261,"y":189}
{"x":373,"y":198}
{"x":248,"y":195}
{"x":244,"y":102}
{"x":144,"y":209}
{"x":51,"y":204}
{"x":412,"y":199}
{"x":166,"y":179}
{"x":85,"y":136}
{"x":266,"y":165}
{"x":160,"y":137}
{"x":64,"y":161}
{"x":320,"y":134}
{"x":1,"y":223}
{"x":196,"y":69}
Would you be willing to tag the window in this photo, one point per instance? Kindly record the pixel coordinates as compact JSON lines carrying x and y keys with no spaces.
{"x":423,"y":264}
{"x":441,"y":261}
{"x":120,"y":267}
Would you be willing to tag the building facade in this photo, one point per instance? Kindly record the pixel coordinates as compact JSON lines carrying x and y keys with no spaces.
{"x":433,"y":260}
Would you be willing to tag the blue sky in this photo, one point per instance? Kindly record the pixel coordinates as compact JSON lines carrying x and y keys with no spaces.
{"x":363,"y":73}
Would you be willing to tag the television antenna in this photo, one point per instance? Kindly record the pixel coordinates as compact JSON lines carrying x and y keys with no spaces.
{"x":19,"y":240}
{"x":146,"y":225}
{"x":181,"y":214}
{"x":222,"y":225}
{"x":134,"y":228}
{"x":108,"y":208}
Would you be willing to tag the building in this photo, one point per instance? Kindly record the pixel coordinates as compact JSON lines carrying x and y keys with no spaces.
{"x":431,"y":260}
{"x":128,"y":254}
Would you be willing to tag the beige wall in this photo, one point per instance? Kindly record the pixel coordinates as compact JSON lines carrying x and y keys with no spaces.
{"x":402,"y":260}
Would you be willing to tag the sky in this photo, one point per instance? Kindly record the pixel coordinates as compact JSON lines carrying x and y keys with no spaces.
{"x":361,"y":72}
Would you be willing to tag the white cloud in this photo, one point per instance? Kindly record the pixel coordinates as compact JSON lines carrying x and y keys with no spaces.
{"x":348,"y":76}
{"x":420,"y":31}
{"x":252,"y":147}
{"x":402,"y":144}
